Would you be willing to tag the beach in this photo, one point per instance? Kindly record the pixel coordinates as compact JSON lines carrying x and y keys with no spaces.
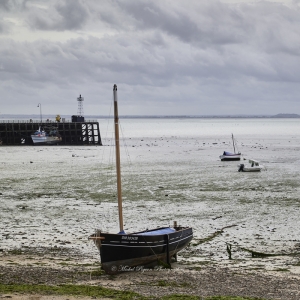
{"x":65,"y":268}
{"x":53,"y":198}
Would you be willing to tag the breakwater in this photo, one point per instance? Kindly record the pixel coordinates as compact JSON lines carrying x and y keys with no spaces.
{"x":18,"y":132}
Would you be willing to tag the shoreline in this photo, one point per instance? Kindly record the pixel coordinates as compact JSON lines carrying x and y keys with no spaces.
{"x":67,"y":268}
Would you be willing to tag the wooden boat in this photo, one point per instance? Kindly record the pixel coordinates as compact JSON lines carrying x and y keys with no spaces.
{"x":133,"y":251}
{"x":43,"y":137}
{"x":253,"y":166}
{"x":226,"y":156}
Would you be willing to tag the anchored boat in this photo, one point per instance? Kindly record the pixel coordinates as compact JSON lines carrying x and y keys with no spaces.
{"x":253,"y":166}
{"x":131,"y":251}
{"x":43,"y":137}
{"x":236,"y":155}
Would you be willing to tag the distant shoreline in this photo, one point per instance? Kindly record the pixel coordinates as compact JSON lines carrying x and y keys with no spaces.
{"x":37,"y":117}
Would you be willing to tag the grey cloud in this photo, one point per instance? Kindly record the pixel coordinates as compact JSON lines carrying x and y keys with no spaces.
{"x":271,"y":26}
{"x":6,"y":5}
{"x":149,"y":15}
{"x":12,"y":5}
{"x":63,"y":15}
{"x":208,"y":22}
{"x":205,"y":49}
{"x":126,"y":58}
{"x":4,"y":28}
{"x":8,"y":9}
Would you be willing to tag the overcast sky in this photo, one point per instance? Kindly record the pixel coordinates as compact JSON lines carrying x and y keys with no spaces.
{"x":168,"y":57}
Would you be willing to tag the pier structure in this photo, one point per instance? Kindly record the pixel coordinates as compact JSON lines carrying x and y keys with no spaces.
{"x":18,"y":132}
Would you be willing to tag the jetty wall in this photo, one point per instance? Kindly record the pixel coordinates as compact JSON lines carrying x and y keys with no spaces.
{"x":18,"y":132}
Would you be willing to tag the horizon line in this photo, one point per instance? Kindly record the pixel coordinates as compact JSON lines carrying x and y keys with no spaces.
{"x":280,"y":115}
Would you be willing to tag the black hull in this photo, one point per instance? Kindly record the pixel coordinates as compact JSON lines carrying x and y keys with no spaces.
{"x":132,"y":252}
{"x":230,"y":159}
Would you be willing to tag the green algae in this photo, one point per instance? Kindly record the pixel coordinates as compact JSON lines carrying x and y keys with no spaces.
{"x":76,"y":290}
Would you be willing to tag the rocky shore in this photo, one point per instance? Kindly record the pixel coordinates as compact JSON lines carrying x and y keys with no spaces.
{"x":64,"y":267}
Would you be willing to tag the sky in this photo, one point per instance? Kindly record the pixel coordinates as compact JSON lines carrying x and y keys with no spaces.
{"x":167,"y":57}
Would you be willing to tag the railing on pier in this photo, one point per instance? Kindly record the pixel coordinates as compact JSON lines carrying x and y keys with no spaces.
{"x":44,"y":121}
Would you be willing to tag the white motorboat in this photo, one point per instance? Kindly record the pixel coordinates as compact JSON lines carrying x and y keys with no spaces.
{"x":253,"y":166}
{"x":41,"y":137}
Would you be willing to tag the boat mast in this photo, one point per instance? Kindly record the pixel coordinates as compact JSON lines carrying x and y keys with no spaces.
{"x":233,"y":142}
{"x":118,"y":163}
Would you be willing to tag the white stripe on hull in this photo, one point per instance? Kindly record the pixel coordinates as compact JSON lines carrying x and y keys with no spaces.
{"x":147,"y":245}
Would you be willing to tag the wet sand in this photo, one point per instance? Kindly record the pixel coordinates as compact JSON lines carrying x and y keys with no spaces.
{"x":63,"y":267}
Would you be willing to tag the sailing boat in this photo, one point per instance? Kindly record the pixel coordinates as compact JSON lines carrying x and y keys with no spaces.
{"x":231,"y":156}
{"x":121,"y":252}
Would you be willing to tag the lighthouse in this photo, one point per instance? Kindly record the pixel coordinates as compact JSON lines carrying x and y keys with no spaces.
{"x":80,"y":106}
{"x":79,"y":117}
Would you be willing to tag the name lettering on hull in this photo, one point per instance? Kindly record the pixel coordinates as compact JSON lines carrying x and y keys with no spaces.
{"x":130,"y":238}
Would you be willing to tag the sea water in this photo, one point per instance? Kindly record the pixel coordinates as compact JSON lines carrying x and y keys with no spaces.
{"x":56,"y":196}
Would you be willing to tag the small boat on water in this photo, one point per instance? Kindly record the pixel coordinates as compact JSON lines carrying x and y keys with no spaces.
{"x":253,"y":166}
{"x":43,"y":137}
{"x":133,"y":251}
{"x":236,"y":155}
